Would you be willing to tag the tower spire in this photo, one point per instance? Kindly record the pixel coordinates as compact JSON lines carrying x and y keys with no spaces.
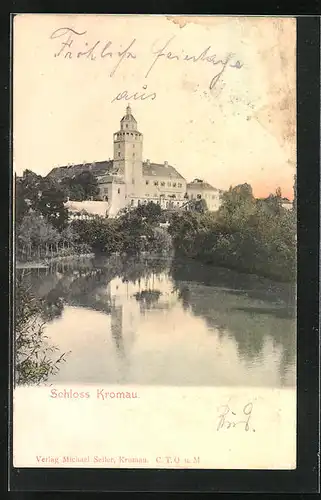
{"x":128,"y":110}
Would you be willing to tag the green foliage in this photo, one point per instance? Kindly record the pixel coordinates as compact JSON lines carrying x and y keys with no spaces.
{"x":150,"y":211}
{"x":198,"y":205}
{"x":89,"y":184}
{"x":295,"y":193}
{"x":256,"y":236}
{"x":35,"y":360}
{"x":36,"y":238}
{"x":72,"y":190}
{"x":81,"y":187}
{"x":51,"y":205}
{"x":135,"y":231}
{"x":34,"y":230}
{"x":43,"y":195}
{"x":99,"y":234}
{"x":161,"y":241}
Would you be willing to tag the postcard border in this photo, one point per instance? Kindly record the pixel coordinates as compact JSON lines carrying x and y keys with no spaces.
{"x":305,"y":477}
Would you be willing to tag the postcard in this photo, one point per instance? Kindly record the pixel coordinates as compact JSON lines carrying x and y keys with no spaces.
{"x":154,"y":164}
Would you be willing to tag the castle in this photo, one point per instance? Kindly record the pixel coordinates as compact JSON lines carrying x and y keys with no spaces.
{"x":128,"y":181}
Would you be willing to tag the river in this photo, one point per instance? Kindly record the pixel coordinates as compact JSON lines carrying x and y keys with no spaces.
{"x":167,"y":322}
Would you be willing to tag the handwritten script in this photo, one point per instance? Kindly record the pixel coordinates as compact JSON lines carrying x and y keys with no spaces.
{"x":228,"y":418}
{"x":72,"y":44}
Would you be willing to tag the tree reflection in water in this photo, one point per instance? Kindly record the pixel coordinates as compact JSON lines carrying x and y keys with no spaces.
{"x":84,"y":283}
{"x":147,"y":298}
{"x":226,"y":301}
{"x":245,"y":308}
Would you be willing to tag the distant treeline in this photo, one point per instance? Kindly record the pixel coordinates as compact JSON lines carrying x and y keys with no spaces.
{"x":255,"y":236}
{"x":248,"y":234}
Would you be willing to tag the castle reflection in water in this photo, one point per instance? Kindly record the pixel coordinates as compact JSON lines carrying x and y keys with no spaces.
{"x":160,"y":321}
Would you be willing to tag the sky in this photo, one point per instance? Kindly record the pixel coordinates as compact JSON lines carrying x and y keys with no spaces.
{"x":68,"y":99}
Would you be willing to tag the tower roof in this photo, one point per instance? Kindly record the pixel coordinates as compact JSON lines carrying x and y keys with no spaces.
{"x":128,"y":116}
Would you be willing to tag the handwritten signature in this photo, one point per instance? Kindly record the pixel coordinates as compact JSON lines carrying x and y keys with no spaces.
{"x":106,"y":49}
{"x":228,"y":418}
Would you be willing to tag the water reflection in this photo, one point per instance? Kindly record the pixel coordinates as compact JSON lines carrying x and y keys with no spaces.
{"x":168,"y":322}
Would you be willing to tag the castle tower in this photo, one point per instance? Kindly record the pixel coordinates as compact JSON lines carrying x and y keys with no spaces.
{"x":128,"y":153}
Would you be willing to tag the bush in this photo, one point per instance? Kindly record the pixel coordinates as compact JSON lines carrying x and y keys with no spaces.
{"x":246,"y":234}
{"x":34,"y":361}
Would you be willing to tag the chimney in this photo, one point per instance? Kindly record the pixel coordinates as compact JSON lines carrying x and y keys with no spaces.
{"x":148,"y":162}
{"x":166,"y":163}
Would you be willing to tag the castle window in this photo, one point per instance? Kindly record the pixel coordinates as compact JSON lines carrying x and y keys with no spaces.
{"x":147,"y":182}
{"x":155,"y":183}
{"x":179,"y":185}
{"x":118,"y":154}
{"x":133,"y":145}
{"x":174,"y":184}
{"x":132,"y":202}
{"x":131,"y":134}
{"x":169,"y":184}
{"x":138,"y":203}
{"x":133,"y":181}
{"x":162,"y":183}
{"x":126,"y":125}
{"x":133,"y":155}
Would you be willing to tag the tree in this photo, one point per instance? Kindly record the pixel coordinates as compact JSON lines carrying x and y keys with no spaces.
{"x":150,"y":211}
{"x":26,"y":193}
{"x":278,"y":193}
{"x":72,"y":189}
{"x":21,"y":205}
{"x":238,"y":204}
{"x":51,"y":206}
{"x":30,"y":184}
{"x":198,"y":205}
{"x":161,"y":241}
{"x":273,"y":202}
{"x":44,"y":195}
{"x":88,"y":182}
{"x":34,"y":358}
{"x":35,"y":232}
{"x":257,"y":236}
{"x":295,"y":193}
{"x":82,"y":187}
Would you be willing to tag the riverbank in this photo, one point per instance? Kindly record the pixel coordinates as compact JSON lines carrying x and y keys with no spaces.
{"x":46,"y":262}
{"x":233,"y":280}
{"x":253,"y":241}
{"x":167,"y":308}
